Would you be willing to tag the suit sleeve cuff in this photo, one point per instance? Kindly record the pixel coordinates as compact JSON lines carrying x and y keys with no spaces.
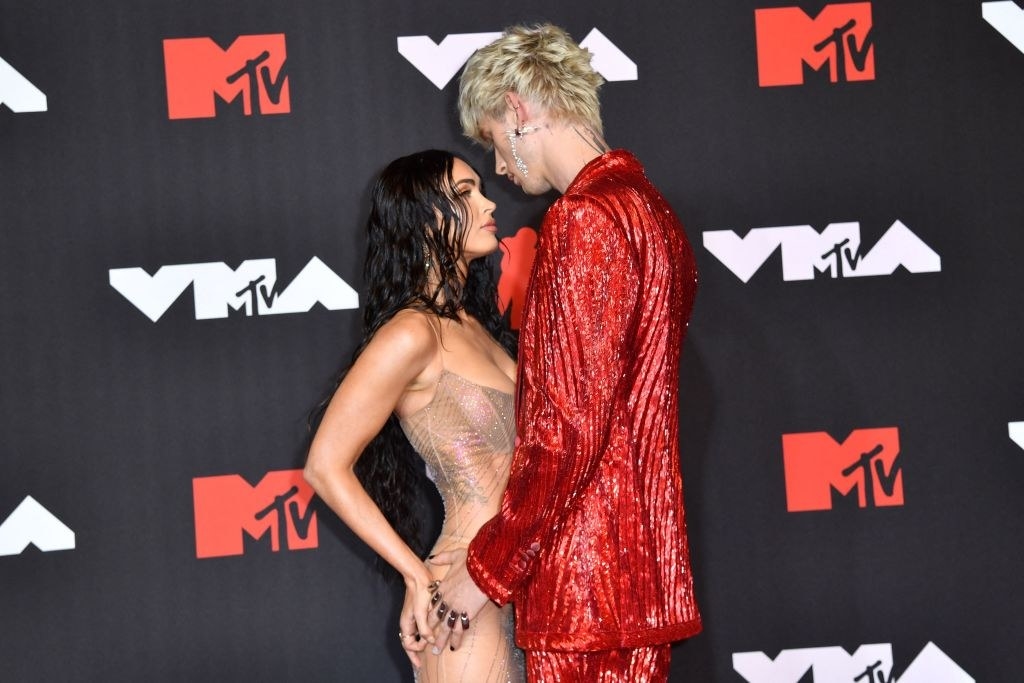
{"x":486,"y":581}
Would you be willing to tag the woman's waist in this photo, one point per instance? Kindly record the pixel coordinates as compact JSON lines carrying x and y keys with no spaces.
{"x":458,"y":533}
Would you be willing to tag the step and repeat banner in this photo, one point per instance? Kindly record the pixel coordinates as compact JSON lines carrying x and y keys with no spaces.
{"x":183,"y":189}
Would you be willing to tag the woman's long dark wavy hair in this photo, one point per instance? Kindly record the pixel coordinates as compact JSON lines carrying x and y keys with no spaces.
{"x":415,"y":234}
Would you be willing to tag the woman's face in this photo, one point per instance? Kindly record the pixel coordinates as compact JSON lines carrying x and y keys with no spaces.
{"x":481,"y":234}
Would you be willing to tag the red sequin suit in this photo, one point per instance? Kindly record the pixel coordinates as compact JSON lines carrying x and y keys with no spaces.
{"x":595,"y":481}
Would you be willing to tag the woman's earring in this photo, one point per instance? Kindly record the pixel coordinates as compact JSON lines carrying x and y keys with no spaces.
{"x":426,"y":258}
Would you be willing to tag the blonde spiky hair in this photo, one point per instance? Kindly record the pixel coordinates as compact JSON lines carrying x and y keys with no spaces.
{"x":540,"y":63}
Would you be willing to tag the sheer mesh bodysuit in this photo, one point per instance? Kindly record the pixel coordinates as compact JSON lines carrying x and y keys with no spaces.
{"x":465,"y":437}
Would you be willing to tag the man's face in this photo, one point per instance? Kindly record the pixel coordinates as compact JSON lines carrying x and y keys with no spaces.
{"x":500,"y":135}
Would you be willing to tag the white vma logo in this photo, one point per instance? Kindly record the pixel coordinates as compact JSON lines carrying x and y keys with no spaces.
{"x":870,"y":663}
{"x":835,"y":250}
{"x":1007,"y":18}
{"x":17,"y":92}
{"x":216,"y":288}
{"x":1017,"y":433}
{"x":441,"y":61}
{"x":31,"y":523}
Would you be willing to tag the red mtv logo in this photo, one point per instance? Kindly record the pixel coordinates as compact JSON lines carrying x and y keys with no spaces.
{"x":867,"y":461}
{"x":840,"y":36}
{"x":516,"y":265}
{"x":253,"y":67}
{"x":227,"y":506}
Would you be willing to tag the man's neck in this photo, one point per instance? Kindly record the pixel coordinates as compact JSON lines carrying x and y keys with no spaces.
{"x":570,"y":147}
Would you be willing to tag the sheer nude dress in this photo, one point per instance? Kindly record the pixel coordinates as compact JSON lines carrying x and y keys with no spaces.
{"x":465,"y":436}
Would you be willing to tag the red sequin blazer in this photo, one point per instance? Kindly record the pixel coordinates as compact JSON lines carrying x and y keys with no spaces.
{"x":595,"y":481}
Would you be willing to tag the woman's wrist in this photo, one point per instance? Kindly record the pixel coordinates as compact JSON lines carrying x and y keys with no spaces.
{"x":417,"y":578}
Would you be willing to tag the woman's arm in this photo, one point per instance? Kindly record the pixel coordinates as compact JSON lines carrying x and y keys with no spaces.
{"x":392,"y":364}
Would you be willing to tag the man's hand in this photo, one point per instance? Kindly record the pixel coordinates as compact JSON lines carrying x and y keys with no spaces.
{"x":455,"y":603}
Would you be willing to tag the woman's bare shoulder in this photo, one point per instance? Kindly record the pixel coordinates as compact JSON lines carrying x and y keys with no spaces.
{"x":409,"y":334}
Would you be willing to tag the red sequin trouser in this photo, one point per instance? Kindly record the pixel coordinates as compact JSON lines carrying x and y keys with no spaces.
{"x":639,"y":665}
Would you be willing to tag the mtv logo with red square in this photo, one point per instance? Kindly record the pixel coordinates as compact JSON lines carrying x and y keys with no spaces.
{"x":228,"y":508}
{"x":840,"y":37}
{"x":252,"y":69}
{"x":866,"y":463}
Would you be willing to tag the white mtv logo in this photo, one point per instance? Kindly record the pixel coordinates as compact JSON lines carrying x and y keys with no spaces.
{"x":31,"y":523}
{"x":835,"y":250}
{"x":217,"y":288}
{"x":441,"y":61}
{"x":17,"y":92}
{"x":1007,"y":18}
{"x":870,"y":664}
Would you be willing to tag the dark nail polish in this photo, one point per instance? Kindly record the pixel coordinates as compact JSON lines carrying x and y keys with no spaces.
{"x":452,"y":648}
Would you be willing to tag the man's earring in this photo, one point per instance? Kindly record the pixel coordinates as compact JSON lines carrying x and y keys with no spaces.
{"x":513,"y":136}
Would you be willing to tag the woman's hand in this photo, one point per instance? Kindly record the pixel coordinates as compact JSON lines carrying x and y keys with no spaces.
{"x":414,"y":630}
{"x":460,"y":600}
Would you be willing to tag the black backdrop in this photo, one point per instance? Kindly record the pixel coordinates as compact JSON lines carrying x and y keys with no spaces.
{"x":145,"y":439}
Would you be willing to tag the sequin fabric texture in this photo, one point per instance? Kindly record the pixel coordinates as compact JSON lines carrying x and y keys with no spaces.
{"x":595,"y":490}
{"x":464,"y":436}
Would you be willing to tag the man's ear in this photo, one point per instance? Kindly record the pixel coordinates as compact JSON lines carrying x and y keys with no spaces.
{"x":521,"y":109}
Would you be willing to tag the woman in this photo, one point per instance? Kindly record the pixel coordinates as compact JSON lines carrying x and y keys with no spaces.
{"x":434,"y":371}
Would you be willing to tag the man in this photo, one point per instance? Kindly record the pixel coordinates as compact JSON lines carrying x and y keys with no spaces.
{"x":590,"y":543}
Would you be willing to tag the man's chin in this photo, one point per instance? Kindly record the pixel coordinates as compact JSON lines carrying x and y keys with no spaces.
{"x":534,"y":189}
